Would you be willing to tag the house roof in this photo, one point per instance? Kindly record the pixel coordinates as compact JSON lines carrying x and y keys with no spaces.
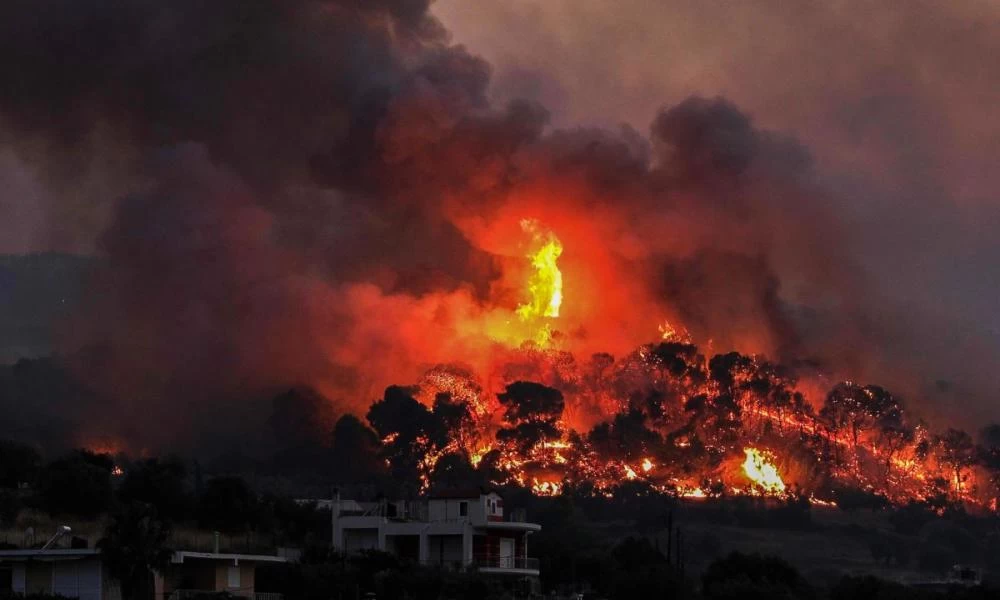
{"x":78,"y":553}
{"x":179,"y":557}
{"x":50,"y":554}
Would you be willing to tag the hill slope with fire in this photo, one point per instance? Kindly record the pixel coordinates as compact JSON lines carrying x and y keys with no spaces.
{"x":666,"y":416}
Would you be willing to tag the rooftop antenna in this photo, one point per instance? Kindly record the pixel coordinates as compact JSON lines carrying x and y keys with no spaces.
{"x":62,"y":531}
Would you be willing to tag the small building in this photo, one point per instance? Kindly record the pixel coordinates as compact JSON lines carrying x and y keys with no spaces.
{"x":191,"y":574}
{"x":73,"y":573}
{"x":81,"y":573}
{"x":461,"y":529}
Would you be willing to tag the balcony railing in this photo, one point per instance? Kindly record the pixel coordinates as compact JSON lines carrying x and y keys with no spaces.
{"x":185,"y":594}
{"x":506,"y":562}
{"x":492,"y":562}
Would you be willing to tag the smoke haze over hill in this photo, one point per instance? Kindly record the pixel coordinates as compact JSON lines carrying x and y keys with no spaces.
{"x":332,"y":193}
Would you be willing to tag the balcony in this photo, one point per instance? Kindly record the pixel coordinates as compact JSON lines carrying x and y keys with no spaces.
{"x":509,"y":564}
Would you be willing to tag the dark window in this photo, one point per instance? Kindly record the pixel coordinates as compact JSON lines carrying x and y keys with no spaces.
{"x":463,"y":509}
{"x":6,"y":581}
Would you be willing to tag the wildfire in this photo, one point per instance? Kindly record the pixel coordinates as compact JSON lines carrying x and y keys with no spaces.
{"x":669,"y":333}
{"x":545,"y":286}
{"x":545,"y":488}
{"x":694,"y":493}
{"x":762,"y":472}
{"x":669,"y":403}
{"x":476,"y":457}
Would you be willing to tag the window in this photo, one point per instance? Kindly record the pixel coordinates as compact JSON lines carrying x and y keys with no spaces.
{"x":233,"y":577}
{"x":463,"y":509}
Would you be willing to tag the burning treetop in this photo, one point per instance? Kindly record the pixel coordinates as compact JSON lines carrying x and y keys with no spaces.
{"x":664,"y":416}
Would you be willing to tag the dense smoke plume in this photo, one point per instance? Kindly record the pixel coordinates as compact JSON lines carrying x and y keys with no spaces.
{"x":897,"y":104}
{"x":319,"y":193}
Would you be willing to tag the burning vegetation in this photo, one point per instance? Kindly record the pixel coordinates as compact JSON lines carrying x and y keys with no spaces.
{"x":321,"y":193}
{"x":663,"y":416}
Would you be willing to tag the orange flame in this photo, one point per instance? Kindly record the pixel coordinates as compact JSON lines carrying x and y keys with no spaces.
{"x":546,"y":284}
{"x":758,"y":468}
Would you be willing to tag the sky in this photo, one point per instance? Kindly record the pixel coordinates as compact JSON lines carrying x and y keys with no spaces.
{"x":237,"y":169}
{"x":898,"y":103}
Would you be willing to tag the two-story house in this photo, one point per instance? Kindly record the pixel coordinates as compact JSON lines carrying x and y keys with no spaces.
{"x":454,"y":529}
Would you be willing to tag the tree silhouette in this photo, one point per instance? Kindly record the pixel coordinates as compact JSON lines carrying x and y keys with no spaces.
{"x":859,"y":409}
{"x":227,"y":504}
{"x":79,"y":484}
{"x":532,"y":412}
{"x":18,"y":463}
{"x":408,"y":431}
{"x":133,"y":546}
{"x":161,"y":483}
{"x":959,"y":452}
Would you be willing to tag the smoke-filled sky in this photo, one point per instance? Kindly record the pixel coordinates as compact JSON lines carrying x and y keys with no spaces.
{"x":328,"y":192}
{"x":896,"y":102}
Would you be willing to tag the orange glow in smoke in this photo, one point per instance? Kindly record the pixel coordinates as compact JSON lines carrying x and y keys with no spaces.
{"x":547,"y":316}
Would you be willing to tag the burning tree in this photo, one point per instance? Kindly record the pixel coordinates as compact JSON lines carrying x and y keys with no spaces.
{"x":662,"y":417}
{"x":958,"y":452}
{"x":531,"y":413}
{"x":411,"y":434}
{"x":859,"y":409}
{"x":626,"y":438}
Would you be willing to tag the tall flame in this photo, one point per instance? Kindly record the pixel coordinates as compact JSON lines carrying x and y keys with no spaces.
{"x":546,"y":283}
{"x":762,"y":472}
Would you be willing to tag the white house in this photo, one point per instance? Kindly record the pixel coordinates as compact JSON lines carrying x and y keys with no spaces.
{"x":456,"y":529}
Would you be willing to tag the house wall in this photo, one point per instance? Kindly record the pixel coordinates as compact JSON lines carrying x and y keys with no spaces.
{"x":208,"y":575}
{"x":187,"y":576}
{"x":77,"y":578}
{"x":38,"y":578}
{"x":486,"y":547}
{"x":485,"y":507}
{"x":246,"y":583}
{"x":445,"y":549}
{"x":16,"y":574}
{"x":493,"y":507}
{"x":447,"y":509}
{"x":356,"y":540}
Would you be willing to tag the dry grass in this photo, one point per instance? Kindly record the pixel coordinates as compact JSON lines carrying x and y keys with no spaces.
{"x":45,"y":526}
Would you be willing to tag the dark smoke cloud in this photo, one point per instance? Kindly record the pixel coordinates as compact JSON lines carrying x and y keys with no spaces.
{"x":305,"y":192}
{"x":224,"y":119}
{"x":896,"y":102}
